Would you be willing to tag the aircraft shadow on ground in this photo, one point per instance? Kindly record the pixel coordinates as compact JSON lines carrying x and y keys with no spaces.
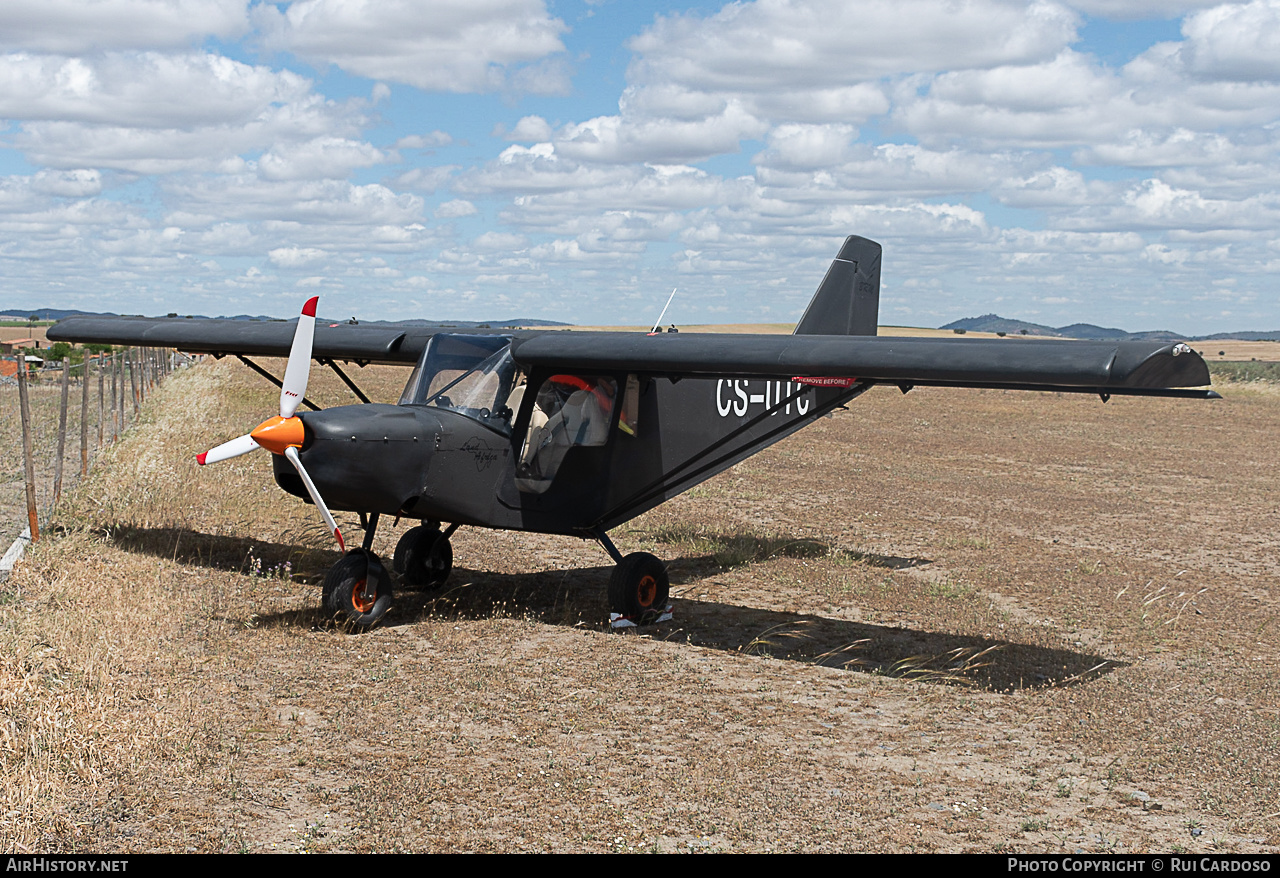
{"x":238,"y":554}
{"x":576,"y":597}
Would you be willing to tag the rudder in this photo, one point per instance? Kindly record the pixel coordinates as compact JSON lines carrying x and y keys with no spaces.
{"x":848,"y":299}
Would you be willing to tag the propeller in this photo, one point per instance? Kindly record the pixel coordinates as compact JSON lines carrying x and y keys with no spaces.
{"x":284,"y":434}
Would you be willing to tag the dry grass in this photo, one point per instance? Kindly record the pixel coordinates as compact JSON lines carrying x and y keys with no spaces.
{"x":946,"y":621}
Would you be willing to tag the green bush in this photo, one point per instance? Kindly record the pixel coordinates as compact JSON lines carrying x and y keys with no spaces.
{"x":1229,"y":370}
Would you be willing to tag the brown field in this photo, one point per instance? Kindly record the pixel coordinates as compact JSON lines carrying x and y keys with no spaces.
{"x":945,"y":621}
{"x":1268,"y":351}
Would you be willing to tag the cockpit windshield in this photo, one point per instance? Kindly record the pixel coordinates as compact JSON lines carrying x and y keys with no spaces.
{"x":470,"y":374}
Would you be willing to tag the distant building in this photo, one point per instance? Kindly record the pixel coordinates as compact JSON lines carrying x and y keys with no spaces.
{"x":12,"y":346}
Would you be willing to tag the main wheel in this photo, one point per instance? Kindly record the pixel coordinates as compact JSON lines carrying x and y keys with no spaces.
{"x":423,"y":557}
{"x":639,"y":588}
{"x":358,"y":588}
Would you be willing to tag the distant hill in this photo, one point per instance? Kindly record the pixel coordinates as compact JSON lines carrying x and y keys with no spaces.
{"x":1089,"y":330}
{"x":60,"y":313}
{"x":996,"y":323}
{"x":472,"y":324}
{"x":48,"y":314}
{"x":1274,"y":335}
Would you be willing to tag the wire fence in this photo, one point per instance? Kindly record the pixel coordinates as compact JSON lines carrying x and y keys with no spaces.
{"x":59,"y":420}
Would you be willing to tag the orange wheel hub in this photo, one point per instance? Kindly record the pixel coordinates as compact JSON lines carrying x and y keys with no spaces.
{"x":361,"y":598}
{"x":646,"y":591}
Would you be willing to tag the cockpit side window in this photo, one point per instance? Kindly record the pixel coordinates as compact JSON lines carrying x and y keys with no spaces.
{"x":568,"y":410}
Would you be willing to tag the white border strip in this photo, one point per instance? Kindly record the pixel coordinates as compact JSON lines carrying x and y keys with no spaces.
{"x":15,"y":552}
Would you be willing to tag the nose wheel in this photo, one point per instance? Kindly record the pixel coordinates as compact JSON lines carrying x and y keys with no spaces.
{"x":358,"y":589}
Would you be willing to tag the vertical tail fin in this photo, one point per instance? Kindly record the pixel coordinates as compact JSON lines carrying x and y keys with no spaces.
{"x":848,"y":299}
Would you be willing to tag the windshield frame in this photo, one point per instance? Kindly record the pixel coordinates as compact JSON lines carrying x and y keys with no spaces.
{"x":478,"y":369}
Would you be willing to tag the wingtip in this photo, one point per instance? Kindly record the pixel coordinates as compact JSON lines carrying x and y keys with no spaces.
{"x":309,"y":309}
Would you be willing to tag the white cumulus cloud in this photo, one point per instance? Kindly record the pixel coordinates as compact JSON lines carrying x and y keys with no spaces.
{"x":332,"y":157}
{"x":1235,"y":41}
{"x":295,"y":257}
{"x":450,"y":45}
{"x":73,"y":26}
{"x":454,"y":209}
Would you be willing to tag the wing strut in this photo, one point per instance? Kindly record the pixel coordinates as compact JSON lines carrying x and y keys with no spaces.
{"x":273,"y":379}
{"x":345,"y":380}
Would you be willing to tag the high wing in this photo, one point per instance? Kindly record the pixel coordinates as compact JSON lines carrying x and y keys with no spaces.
{"x":361,"y":343}
{"x":834,"y":338}
{"x":1112,"y":367}
{"x":1138,"y":368}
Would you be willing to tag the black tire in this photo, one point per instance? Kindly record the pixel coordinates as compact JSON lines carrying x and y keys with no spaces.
{"x":402,"y":547}
{"x":423,"y":557}
{"x":639,"y":588}
{"x":358,"y":589}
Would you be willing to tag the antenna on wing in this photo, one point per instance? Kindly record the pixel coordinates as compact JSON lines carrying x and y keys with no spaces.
{"x":657,"y":327}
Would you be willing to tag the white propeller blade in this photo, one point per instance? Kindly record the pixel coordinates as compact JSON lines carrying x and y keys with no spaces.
{"x":292,"y":454}
{"x":294,"y":386}
{"x":236,"y":447}
{"x":287,"y":430}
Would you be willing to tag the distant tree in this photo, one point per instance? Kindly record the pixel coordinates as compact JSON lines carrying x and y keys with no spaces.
{"x":1023,"y":331}
{"x":1001,"y":334}
{"x":959,"y":331}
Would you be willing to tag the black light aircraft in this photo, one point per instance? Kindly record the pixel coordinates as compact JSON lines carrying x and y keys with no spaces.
{"x":577,"y":432}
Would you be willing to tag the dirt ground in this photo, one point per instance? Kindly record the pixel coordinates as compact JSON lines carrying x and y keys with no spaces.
{"x":945,"y":621}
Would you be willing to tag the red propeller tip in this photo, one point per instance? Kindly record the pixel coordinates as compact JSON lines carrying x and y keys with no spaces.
{"x":201,"y":456}
{"x":309,"y":309}
{"x":341,"y":545}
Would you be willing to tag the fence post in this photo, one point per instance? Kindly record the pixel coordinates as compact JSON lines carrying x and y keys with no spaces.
{"x":28,"y":465}
{"x":133,"y":384}
{"x":84,"y":415}
{"x":102,"y":398}
{"x":62,"y":432}
{"x":117,"y":396}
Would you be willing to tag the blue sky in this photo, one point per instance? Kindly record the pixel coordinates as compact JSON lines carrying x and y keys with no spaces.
{"x":1108,"y":161}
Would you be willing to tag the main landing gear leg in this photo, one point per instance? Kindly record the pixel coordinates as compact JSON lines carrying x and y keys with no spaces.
{"x":638,"y":589}
{"x":358,"y":588}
